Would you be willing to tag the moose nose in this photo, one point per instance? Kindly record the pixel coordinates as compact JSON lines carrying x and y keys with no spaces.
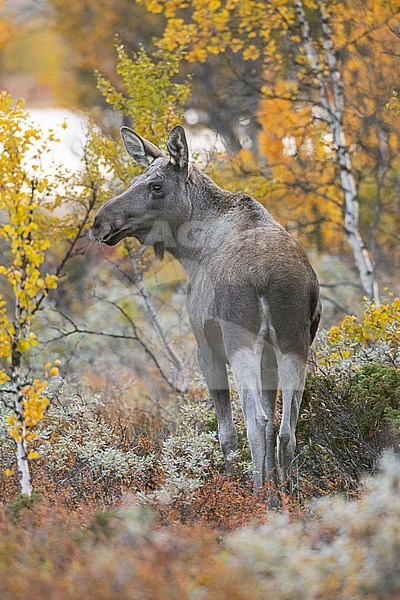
{"x":99,"y":231}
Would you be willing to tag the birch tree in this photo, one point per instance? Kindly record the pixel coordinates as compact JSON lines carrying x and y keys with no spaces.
{"x":29,"y":228}
{"x":305,"y":47}
{"x":331,"y":98}
{"x":24,"y":241}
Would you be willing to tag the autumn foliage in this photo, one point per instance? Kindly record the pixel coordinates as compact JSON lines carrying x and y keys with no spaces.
{"x":326,"y":139}
{"x":344,"y":550}
{"x":25,"y":201}
{"x":124,"y":493}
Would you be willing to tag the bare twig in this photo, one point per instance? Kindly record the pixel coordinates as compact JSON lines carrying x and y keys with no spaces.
{"x":175,"y":358}
{"x":118,"y":336}
{"x":341,"y":307}
{"x":358,"y":286}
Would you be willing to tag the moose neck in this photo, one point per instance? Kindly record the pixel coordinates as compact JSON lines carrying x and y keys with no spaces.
{"x":215,"y":215}
{"x":212,"y":216}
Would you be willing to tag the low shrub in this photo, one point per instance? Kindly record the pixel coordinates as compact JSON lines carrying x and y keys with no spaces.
{"x":343,"y":550}
{"x":87,"y":454}
{"x":92,"y":453}
{"x":346,"y":422}
{"x":347,"y":550}
{"x":372,"y":339}
{"x":96,"y":452}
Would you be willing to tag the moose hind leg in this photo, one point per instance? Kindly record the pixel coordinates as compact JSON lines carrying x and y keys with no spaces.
{"x":215,"y":375}
{"x":246,"y":367}
{"x":270,"y":385}
{"x":292,"y":369}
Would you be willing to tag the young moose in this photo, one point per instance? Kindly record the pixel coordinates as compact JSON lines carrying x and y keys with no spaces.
{"x":252,"y":298}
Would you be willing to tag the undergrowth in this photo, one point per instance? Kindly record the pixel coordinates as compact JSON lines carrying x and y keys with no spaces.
{"x":341,"y":550}
{"x":134,"y":503}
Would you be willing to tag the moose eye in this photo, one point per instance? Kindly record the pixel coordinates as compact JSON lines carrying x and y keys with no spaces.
{"x":156,"y":187}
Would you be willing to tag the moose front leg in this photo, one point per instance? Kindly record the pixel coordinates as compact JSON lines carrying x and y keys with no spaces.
{"x":215,"y":375}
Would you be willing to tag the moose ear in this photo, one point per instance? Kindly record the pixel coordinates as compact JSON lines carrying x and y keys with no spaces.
{"x":141,"y":150}
{"x":178,"y":148}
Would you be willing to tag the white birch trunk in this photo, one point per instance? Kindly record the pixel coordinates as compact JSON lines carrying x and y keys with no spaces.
{"x":22,"y":454}
{"x":18,"y":400}
{"x":23,"y":468}
{"x":334,"y":111}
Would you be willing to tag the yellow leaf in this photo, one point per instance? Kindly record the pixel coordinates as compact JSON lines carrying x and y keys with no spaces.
{"x":215,"y":5}
{"x":51,"y":281}
{"x":23,"y":346}
{"x":3,"y":377}
{"x":33,"y":339}
{"x":9,"y":472}
{"x":33,"y":454}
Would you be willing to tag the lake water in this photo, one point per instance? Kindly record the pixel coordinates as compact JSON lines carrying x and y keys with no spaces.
{"x":72,"y":137}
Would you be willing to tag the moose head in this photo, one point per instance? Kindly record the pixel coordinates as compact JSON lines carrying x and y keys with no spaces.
{"x":156,"y":203}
